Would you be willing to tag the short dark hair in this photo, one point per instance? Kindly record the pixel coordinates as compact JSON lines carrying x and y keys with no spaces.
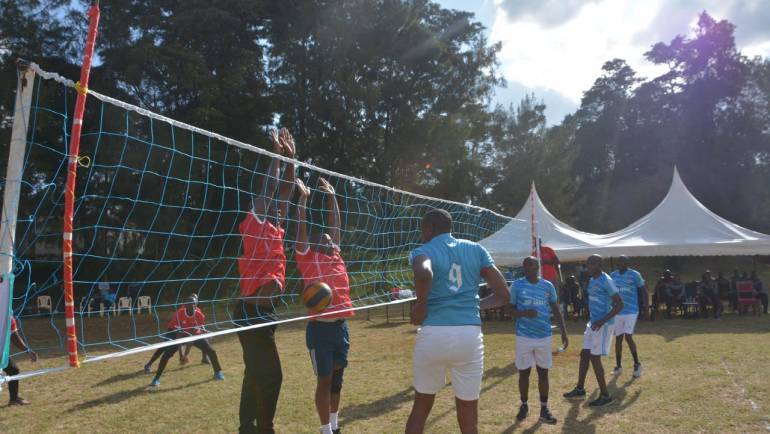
{"x":439,"y":219}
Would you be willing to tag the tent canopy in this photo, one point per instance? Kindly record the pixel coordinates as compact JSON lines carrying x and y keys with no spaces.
{"x":679,"y":226}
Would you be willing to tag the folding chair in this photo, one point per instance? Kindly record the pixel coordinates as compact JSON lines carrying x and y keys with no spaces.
{"x":746,"y":296}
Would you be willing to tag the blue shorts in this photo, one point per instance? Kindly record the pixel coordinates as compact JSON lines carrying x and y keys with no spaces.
{"x":328,"y":343}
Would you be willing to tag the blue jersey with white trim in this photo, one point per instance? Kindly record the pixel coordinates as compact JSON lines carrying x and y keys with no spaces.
{"x":538,"y":296}
{"x":600,"y":291}
{"x":628,"y":284}
{"x":457,"y":266}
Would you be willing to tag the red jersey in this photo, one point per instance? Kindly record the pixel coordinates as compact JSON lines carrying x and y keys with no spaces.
{"x":14,"y":327}
{"x":192,"y":324}
{"x":549,"y":271}
{"x":263,"y":259}
{"x":331,"y":270}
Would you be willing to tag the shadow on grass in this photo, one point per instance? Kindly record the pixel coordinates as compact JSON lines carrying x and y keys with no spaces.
{"x":379,"y":407}
{"x":132,"y":375}
{"x":587,"y":424}
{"x":124,"y":395}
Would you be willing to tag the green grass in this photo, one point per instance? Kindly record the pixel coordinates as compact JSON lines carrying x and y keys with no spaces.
{"x":700,"y":376}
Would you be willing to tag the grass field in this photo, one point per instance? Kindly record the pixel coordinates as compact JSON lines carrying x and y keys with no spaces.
{"x":700,"y":376}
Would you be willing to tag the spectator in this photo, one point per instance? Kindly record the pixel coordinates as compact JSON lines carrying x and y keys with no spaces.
{"x":723,"y":286}
{"x":709,"y":295}
{"x":582,"y":275}
{"x":660,"y":294}
{"x":549,"y":263}
{"x":760,"y":290}
{"x":734,"y":279}
{"x":106,"y":294}
{"x":675,"y":293}
{"x":573,"y":296}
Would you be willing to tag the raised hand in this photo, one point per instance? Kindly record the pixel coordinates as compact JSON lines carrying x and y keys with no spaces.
{"x":304,"y":191}
{"x":287,"y":141}
{"x":275,"y":138}
{"x":325,"y":186}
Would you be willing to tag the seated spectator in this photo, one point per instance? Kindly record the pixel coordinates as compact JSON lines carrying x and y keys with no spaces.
{"x":734,"y":279}
{"x":107,"y":296}
{"x":723,"y":286}
{"x":675,"y":293}
{"x":583,"y":275}
{"x":761,"y":290}
{"x":660,"y":293}
{"x":709,"y":295}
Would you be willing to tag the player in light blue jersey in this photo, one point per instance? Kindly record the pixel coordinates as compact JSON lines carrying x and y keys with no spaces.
{"x":447,"y":273}
{"x":533,"y":302}
{"x":630,"y":285}
{"x":604,"y":303}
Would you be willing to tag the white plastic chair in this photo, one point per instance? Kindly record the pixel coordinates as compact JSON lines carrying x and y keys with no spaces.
{"x":143,"y":302}
{"x":86,"y":305}
{"x":124,"y":303}
{"x":44,"y":302}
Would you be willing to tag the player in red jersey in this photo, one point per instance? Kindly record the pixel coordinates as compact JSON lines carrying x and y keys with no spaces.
{"x":188,"y":320}
{"x":327,"y":336}
{"x":12,"y":369}
{"x":262,"y":270}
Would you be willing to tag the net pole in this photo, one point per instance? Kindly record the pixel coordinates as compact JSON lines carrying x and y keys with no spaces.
{"x":69,"y":194}
{"x":11,"y":195}
{"x":535,"y":238}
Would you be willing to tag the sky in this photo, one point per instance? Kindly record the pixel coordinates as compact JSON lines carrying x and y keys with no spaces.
{"x":556,"y":48}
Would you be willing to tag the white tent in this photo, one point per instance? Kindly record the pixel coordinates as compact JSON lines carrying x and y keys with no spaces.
{"x":679,"y":226}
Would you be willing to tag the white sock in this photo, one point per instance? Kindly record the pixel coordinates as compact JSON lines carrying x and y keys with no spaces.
{"x":333,"y":420}
{"x":326,"y":429}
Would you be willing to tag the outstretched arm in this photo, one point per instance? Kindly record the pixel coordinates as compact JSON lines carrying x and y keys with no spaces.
{"x":333,"y":217}
{"x":287,"y":184}
{"x":262,"y":201}
{"x":304,"y":192}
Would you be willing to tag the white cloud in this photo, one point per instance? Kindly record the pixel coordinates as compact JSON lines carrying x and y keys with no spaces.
{"x":567,"y":58}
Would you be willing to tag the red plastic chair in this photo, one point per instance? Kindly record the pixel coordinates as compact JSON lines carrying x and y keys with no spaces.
{"x":746,"y":296}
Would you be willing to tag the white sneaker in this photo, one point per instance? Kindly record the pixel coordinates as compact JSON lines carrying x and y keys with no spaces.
{"x":617,"y":370}
{"x":638,"y":370}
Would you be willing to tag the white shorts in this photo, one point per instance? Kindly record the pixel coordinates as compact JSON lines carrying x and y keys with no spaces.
{"x":599,"y":341}
{"x":457,"y":348}
{"x":531,"y":351}
{"x":625,"y":324}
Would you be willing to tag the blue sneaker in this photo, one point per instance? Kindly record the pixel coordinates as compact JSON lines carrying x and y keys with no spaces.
{"x":219,"y":375}
{"x":155,"y":383}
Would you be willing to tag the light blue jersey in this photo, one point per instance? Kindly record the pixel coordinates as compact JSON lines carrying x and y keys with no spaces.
{"x":600,"y":291}
{"x":628,"y":284}
{"x":454,"y":295}
{"x":537,"y":296}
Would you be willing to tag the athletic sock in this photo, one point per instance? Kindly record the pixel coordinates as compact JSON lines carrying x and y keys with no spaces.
{"x":326,"y":429}
{"x":544,"y":403}
{"x":333,"y":420}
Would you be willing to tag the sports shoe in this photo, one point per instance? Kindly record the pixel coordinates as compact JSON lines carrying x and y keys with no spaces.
{"x":637,"y":370}
{"x":601,"y":400}
{"x":147,"y":368}
{"x":155,"y":383}
{"x":617,"y":370}
{"x":575,"y":393}
{"x":523,"y":411}
{"x":18,"y":401}
{"x":336,"y":431}
{"x":546,"y":416}
{"x":219,"y":375}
